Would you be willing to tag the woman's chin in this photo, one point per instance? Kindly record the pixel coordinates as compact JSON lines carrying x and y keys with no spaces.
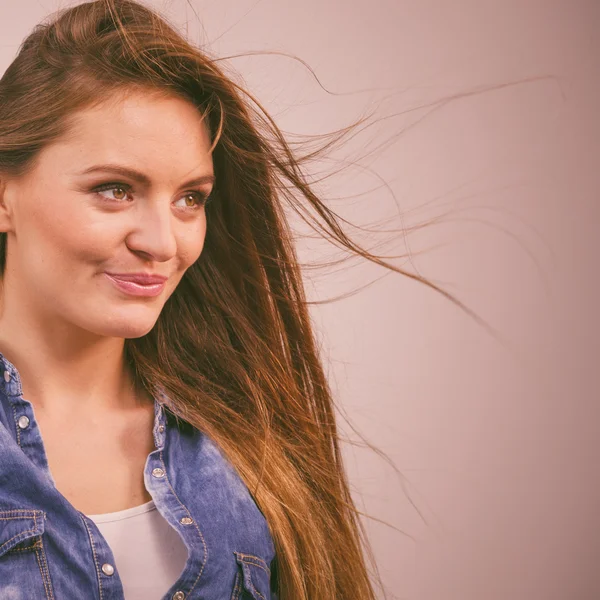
{"x":127,"y":328}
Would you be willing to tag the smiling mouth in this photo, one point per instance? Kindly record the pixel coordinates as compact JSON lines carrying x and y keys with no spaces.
{"x":133,"y":288}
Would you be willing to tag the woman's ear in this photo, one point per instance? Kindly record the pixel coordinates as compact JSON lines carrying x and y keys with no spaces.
{"x":6,"y":220}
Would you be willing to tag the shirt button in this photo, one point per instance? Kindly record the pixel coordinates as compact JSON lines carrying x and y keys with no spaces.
{"x":108,"y":569}
{"x":6,"y":376}
{"x":158,"y":472}
{"x":178,"y":595}
{"x":23,"y":422}
{"x":186,"y":521}
{"x":161,"y":428}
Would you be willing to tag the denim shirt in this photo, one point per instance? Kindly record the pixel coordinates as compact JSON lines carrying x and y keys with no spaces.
{"x":50,"y":550}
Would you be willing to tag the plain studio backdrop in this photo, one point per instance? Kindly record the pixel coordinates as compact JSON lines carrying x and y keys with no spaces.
{"x":496,"y":443}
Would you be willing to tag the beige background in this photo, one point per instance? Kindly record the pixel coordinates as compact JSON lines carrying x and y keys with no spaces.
{"x":497,"y":444}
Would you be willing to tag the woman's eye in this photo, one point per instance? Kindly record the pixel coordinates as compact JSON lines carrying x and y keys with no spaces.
{"x":123,"y":189}
{"x":198,"y":200}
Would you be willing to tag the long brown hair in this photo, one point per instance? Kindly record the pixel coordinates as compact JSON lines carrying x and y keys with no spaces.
{"x":233,"y":347}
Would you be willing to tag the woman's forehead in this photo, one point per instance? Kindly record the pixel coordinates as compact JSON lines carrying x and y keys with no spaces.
{"x":164,"y":136}
{"x":137,"y":114}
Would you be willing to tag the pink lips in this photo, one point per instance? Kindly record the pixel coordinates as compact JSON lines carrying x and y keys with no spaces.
{"x":138,"y":284}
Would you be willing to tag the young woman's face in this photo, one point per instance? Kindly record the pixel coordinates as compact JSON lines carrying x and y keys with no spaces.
{"x":67,"y":233}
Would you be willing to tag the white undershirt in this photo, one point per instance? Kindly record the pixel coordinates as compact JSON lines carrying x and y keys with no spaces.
{"x":149,"y":554}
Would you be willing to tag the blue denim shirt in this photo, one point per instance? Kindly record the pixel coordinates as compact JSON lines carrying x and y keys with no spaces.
{"x":50,"y":550}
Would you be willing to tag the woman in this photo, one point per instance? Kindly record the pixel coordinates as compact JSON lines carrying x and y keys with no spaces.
{"x":166,"y":426}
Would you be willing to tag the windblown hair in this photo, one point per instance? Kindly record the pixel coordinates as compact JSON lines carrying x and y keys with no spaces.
{"x":233,"y":347}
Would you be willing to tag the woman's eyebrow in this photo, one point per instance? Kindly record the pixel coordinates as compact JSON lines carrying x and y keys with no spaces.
{"x":141,"y":177}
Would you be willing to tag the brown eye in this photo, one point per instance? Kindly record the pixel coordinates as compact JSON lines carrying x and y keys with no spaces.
{"x":121,"y":191}
{"x":194,"y":200}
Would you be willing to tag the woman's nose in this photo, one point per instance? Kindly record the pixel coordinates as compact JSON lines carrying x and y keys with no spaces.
{"x":154,"y":234}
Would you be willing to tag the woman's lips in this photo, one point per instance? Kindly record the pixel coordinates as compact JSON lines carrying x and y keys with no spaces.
{"x":137,"y":289}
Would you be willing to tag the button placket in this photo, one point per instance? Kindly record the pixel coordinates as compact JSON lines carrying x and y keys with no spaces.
{"x":104,"y":561}
{"x":159,"y":473}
